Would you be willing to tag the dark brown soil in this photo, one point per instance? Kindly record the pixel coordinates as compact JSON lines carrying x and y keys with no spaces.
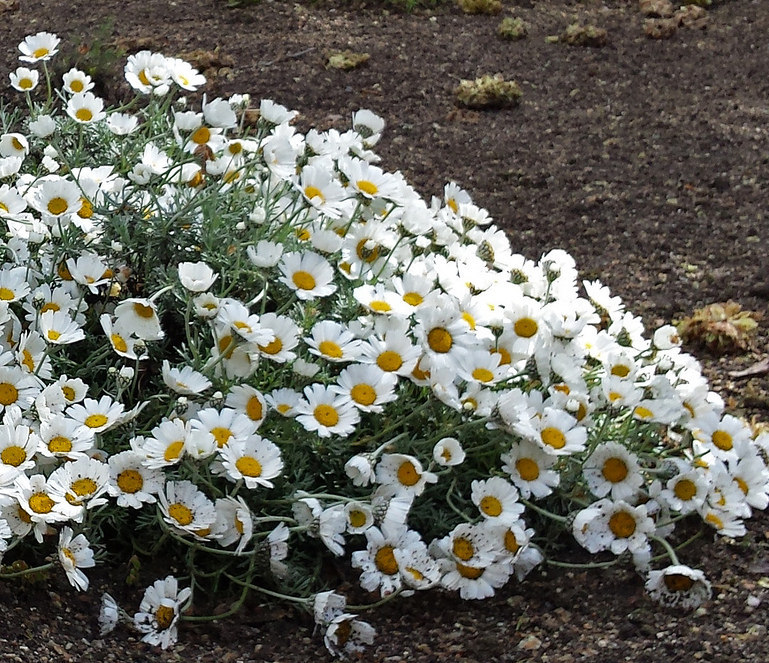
{"x":647,"y":160}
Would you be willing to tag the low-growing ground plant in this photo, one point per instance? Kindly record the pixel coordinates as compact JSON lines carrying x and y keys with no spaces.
{"x":512,"y":28}
{"x":480,"y":6}
{"x":488,"y":92}
{"x":248,"y":352}
{"x":720,"y":327}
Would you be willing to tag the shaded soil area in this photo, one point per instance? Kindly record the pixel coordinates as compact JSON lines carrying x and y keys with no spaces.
{"x":647,"y":160}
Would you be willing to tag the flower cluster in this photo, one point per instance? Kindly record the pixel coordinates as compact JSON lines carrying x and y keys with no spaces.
{"x":244,"y":346}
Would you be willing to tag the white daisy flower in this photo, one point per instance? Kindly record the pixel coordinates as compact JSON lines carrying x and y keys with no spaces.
{"x":404,"y":473}
{"x":448,"y":452}
{"x":17,"y":451}
{"x":42,"y":508}
{"x":159,"y":612}
{"x":184,"y":380}
{"x":325,"y":412}
{"x":58,"y":328}
{"x":122,"y":124}
{"x":359,"y":516}
{"x":85,"y":108}
{"x":80,"y":482}
{"x":615,"y":526}
{"x":97,"y":416}
{"x":346,"y":635}
{"x":308,"y":274}
{"x":497,"y":500}
{"x":39,"y":47}
{"x":225,"y":425}
{"x":678,"y":586}
{"x":249,"y":401}
{"x":366,"y":386}
{"x":333,"y":341}
{"x":131,"y":481}
{"x":234,"y":522}
{"x":65,"y":438}
{"x":529,"y":468}
{"x":75,"y":554}
{"x":556,"y":432}
{"x":611,"y":468}
{"x":185,"y":507}
{"x":24,"y":79}
{"x":285,"y":337}
{"x":284,"y":401}
{"x":254,"y":460}
{"x":139,"y":317}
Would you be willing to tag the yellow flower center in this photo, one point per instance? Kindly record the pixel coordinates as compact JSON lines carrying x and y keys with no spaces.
{"x":380,"y":306}
{"x":164,"y":616}
{"x":16,"y":146}
{"x":96,"y":420}
{"x":413,"y":298}
{"x":326,"y":415}
{"x":439,"y":339}
{"x":368,"y":187}
{"x":84,"y":114}
{"x":330,"y":349}
{"x":40,"y":52}
{"x":143,"y":311}
{"x":483,"y":375}
{"x":53,"y":335}
{"x":41,"y":503}
{"x":525,"y":327}
{"x":81,"y":488}
{"x":13,"y":455}
{"x":221,"y":435}
{"x":313,"y":192}
{"x":3,"y":207}
{"x":363,"y":394}
{"x":643,"y":412}
{"x":76,"y":86}
{"x":357,"y":518}
{"x":254,"y":409}
{"x":677,"y":582}
{"x":273,"y":347}
{"x":407,"y":474}
{"x":59,"y":444}
{"x":6,"y":294}
{"x":527,"y":468}
{"x":57,"y":206}
{"x":118,"y":342}
{"x":511,"y":543}
{"x":50,"y":306}
{"x":469,"y":572}
{"x":614,"y":470}
{"x":201,"y":135}
{"x":173,"y":450}
{"x":8,"y":394}
{"x":303,"y":280}
{"x":26,"y":84}
{"x":491,"y":506}
{"x":742,"y":484}
{"x":714,"y":520}
{"x":28,"y":360}
{"x":620,"y":370}
{"x":248,"y":466}
{"x":622,"y":524}
{"x":385,"y":560}
{"x":389,"y":361}
{"x":130,"y":481}
{"x":722,"y":440}
{"x":685,"y":489}
{"x":463,"y":548}
{"x":366,"y":254}
{"x":181,"y":513}
{"x":469,"y":319}
{"x":553,"y":437}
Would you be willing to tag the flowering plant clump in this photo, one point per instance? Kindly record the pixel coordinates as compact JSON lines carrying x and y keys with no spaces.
{"x":245,"y":352}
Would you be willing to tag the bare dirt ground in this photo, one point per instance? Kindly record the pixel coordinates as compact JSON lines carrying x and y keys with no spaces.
{"x":647,"y":160}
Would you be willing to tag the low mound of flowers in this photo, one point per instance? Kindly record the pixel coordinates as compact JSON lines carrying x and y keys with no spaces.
{"x":247,"y":351}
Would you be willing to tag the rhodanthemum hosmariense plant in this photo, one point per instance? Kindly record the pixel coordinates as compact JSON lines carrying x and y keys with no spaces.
{"x":250,"y":350}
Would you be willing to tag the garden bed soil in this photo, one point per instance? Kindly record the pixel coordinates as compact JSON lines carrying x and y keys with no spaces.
{"x":646,"y":159}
